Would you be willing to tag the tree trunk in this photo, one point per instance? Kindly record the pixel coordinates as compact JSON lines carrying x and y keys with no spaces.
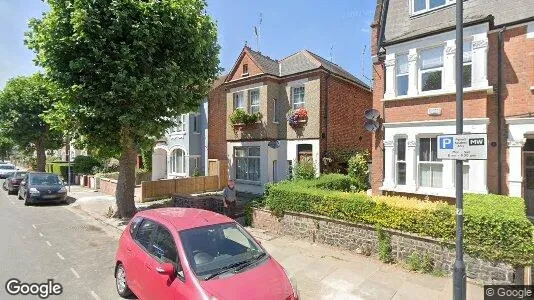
{"x":41,"y":154}
{"x":126,"y":184}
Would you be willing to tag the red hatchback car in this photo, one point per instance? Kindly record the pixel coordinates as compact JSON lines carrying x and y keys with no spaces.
{"x":186,"y":253}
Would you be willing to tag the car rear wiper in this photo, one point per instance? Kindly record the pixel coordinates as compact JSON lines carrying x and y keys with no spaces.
{"x":225,"y":269}
{"x":250,"y":262}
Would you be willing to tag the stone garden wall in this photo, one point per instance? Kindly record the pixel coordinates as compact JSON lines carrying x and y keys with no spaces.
{"x":363,"y":239}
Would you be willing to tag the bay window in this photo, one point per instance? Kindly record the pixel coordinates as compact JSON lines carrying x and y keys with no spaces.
{"x":297,"y":97}
{"x":430,"y":167}
{"x":402,"y":75}
{"x":400,"y":161}
{"x":247,"y":162}
{"x":431,"y":69}
{"x":254,"y":101}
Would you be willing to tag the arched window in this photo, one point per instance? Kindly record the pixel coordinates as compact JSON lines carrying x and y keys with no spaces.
{"x":178,"y":161}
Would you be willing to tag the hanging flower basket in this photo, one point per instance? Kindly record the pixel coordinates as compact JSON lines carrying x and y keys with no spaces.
{"x":297,"y":117}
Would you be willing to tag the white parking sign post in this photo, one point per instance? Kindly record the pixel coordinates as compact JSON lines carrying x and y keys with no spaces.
{"x":463,"y":146}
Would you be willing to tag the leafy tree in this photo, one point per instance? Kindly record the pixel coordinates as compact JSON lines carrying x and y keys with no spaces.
{"x":6,"y":146}
{"x":130,"y":66}
{"x":23,"y":102}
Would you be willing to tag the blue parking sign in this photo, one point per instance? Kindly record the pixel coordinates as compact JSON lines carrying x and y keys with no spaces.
{"x":446,"y":142}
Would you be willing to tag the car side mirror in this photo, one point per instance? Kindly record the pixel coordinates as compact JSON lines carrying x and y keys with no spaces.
{"x":165,"y":269}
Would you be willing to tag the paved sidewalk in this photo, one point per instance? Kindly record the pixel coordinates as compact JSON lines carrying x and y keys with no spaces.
{"x":321,"y":271}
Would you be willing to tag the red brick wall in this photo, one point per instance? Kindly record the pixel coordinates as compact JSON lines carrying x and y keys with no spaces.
{"x":377,"y":146}
{"x":253,"y":68}
{"x":475,"y":105}
{"x":518,"y":72}
{"x":217,"y":123}
{"x":346,"y":105}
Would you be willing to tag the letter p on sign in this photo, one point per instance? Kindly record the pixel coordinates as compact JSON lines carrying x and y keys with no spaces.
{"x":446,"y":142}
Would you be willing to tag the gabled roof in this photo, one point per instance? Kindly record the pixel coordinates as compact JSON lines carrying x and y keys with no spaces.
{"x":299,"y":62}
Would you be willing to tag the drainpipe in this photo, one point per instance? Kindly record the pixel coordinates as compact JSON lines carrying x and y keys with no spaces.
{"x":327,"y":80}
{"x":499,"y":108}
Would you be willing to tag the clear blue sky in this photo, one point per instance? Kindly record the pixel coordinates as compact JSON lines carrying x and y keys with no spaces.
{"x":287,"y":27}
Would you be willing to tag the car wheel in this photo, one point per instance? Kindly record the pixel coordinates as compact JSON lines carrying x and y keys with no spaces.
{"x":26,"y":203}
{"x":120,"y":280}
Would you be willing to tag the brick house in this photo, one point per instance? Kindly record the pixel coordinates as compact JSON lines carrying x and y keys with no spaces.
{"x":267,"y":150}
{"x":414,"y":91}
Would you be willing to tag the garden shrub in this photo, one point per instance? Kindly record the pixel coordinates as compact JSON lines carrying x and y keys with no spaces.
{"x":359,"y":169}
{"x":305,"y":169}
{"x":414,"y":262}
{"x":495,"y":228}
{"x":85,"y":165}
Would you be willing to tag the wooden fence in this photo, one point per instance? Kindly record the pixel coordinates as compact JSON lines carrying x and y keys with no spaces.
{"x":219,"y":168}
{"x":168,"y":187}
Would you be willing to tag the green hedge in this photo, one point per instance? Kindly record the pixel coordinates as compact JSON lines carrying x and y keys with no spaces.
{"x":496,"y":227}
{"x":59,"y":168}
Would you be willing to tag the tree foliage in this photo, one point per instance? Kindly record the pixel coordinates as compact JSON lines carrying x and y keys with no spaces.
{"x":129,"y":67}
{"x":23,"y":102}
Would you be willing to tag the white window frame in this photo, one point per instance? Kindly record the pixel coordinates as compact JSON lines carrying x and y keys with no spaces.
{"x":244,"y":74}
{"x":398,"y":74}
{"x":430,"y":162}
{"x":238,"y":96}
{"x":253,"y":107}
{"x":247,"y":158}
{"x":275,"y":111}
{"x":423,"y":71}
{"x":173,"y":162}
{"x":468,"y":63}
{"x":398,"y":161}
{"x":301,"y":102}
{"x":427,"y":6}
{"x":180,"y":124}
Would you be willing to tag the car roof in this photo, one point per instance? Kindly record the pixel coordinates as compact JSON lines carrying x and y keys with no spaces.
{"x":185,"y":218}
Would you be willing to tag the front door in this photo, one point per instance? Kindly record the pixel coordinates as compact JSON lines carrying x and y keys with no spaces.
{"x":529,"y":183}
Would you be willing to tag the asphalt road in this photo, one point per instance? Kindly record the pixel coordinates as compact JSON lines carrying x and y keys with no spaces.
{"x":56,"y":242}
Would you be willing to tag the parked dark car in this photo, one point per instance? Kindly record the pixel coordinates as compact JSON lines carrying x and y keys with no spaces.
{"x":41,"y":188}
{"x":12,"y":183}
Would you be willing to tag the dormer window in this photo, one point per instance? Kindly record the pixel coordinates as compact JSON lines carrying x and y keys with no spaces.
{"x":421,"y":6}
{"x":245,"y":70}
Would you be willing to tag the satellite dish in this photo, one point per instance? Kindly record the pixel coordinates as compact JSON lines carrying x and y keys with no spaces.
{"x":371,"y":125}
{"x":371,"y":114}
{"x":274,"y":144}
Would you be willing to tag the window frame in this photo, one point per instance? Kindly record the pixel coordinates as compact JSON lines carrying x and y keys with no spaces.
{"x":244,"y":71}
{"x":275,"y":111}
{"x":247,"y":157}
{"x":302,"y":102}
{"x":430,"y":162}
{"x":397,"y":74}
{"x":238,"y":96}
{"x":143,"y":220}
{"x":427,"y":7}
{"x":469,"y":63}
{"x":180,"y":124}
{"x":250,"y":105}
{"x":173,"y":164}
{"x":422,"y":71}
{"x":196,"y":122}
{"x":398,"y":161}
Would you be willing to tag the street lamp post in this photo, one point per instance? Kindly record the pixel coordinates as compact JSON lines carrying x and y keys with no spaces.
{"x":459,"y":292}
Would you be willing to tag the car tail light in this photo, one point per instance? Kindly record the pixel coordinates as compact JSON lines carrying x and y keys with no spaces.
{"x":292,"y":297}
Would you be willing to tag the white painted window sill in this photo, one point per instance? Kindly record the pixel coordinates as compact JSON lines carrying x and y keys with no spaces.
{"x":488,"y":89}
